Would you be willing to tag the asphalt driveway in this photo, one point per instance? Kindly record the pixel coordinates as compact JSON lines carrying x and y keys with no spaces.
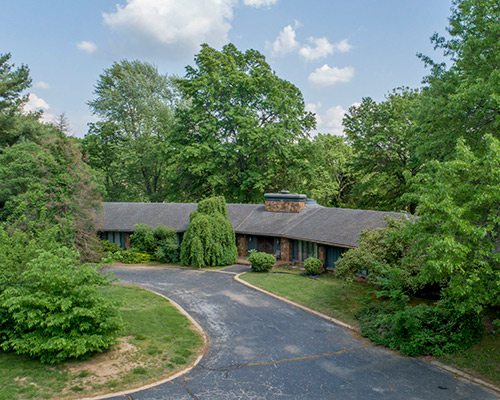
{"x":262,"y":348}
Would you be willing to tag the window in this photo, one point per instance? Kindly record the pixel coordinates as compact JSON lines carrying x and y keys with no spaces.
{"x":114,"y":237}
{"x":302,"y":250}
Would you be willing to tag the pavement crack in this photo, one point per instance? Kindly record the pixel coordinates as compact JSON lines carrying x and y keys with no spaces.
{"x":183,"y":384}
{"x":235,"y":366}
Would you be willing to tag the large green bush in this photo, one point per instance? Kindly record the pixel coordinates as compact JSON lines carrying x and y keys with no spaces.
{"x":55,"y":311}
{"x":313,"y":266}
{"x":209,"y":239}
{"x":143,"y":239}
{"x":167,"y":246}
{"x":260,"y":261}
{"x":419,"y":330}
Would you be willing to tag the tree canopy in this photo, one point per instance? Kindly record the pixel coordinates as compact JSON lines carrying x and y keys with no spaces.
{"x":238,"y":127}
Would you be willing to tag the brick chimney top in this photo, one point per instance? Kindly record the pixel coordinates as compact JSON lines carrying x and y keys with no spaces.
{"x":285,"y":202}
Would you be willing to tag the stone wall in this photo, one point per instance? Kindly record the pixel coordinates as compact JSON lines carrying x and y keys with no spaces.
{"x":241,"y":244}
{"x":285,"y":206}
{"x":285,"y":250}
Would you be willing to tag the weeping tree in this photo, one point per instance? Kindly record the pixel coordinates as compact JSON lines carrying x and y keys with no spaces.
{"x":209,"y":239}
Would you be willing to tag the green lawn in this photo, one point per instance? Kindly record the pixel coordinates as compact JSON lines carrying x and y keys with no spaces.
{"x":481,"y":360}
{"x":341,"y":300}
{"x":156,"y":341}
{"x":333,"y":297}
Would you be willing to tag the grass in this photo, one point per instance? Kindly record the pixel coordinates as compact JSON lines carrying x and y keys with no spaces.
{"x":326,"y":294}
{"x":342,"y":300}
{"x":482,"y":359}
{"x":156,"y":341}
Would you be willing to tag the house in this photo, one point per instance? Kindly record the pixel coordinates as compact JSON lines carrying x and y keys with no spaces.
{"x":289,"y":226}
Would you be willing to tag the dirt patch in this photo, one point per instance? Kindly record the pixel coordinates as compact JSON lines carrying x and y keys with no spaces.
{"x":106,"y":366}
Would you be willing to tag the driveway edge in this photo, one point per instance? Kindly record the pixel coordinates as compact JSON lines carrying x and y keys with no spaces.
{"x":438,"y":364}
{"x":197,"y":327}
{"x":464,"y":375}
{"x":309,"y":310}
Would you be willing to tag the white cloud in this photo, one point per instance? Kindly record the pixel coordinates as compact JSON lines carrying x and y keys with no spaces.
{"x":260,"y":3}
{"x":285,"y":42}
{"x":37,"y":104}
{"x":86,"y":46}
{"x":183,"y":24}
{"x":343,"y":46}
{"x":41,"y":85}
{"x":331,"y":121}
{"x":328,"y":76}
{"x":320,"y":47}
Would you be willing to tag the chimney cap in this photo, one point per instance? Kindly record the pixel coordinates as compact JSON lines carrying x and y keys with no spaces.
{"x":291,"y":197}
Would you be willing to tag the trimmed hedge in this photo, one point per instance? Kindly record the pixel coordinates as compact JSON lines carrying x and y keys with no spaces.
{"x":261,"y":262}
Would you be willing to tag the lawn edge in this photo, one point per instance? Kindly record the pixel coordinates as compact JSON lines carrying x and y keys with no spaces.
{"x":196,"y":326}
{"x":461,"y":374}
{"x":293,"y":303}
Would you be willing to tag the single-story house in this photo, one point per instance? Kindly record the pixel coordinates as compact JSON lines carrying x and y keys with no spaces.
{"x":289,"y":226}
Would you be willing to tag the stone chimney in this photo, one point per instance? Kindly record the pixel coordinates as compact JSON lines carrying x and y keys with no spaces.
{"x":285,"y":201}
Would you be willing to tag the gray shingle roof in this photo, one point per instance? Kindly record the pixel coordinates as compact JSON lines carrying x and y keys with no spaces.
{"x":334,"y":226}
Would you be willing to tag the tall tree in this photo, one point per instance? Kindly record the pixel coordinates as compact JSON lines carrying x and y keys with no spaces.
{"x":13,"y":82}
{"x":131,"y":142}
{"x":382,"y":136}
{"x":47,"y":184}
{"x":463,"y":101}
{"x":324,"y":173}
{"x":236,"y":134}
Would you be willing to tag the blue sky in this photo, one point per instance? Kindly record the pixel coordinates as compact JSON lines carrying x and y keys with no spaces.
{"x":335,"y":51}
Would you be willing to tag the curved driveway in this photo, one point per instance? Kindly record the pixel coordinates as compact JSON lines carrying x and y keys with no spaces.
{"x":263,"y":348}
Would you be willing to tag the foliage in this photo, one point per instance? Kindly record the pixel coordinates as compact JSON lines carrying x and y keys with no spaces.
{"x":323,"y":172}
{"x":460,"y":101}
{"x":13,"y":82}
{"x":167,"y":245}
{"x":143,"y":239}
{"x":456,"y":236}
{"x":260,"y":261}
{"x":160,"y":243}
{"x":108,"y":247}
{"x":313,"y":266}
{"x":131,"y":256}
{"x":420,"y":329}
{"x":209,"y":239}
{"x":131,"y":144}
{"x":379,"y":251}
{"x":46,"y":184}
{"x":237,"y":130}
{"x":382,"y":139}
{"x":55,"y":310}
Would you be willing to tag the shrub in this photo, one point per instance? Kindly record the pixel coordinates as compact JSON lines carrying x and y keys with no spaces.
{"x":143,"y":239}
{"x":108,"y":247}
{"x":55,"y":311}
{"x":209,"y":239}
{"x":419,"y":330}
{"x":261,"y":262}
{"x":313,"y":266}
{"x":132,"y":256}
{"x":167,"y":246}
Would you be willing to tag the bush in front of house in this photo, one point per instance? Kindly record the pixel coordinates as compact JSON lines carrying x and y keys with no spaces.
{"x":132,"y":256}
{"x":55,"y":311}
{"x":143,"y":239}
{"x":313,"y":266}
{"x":167,"y":246}
{"x":209,"y":239}
{"x":261,"y":262}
